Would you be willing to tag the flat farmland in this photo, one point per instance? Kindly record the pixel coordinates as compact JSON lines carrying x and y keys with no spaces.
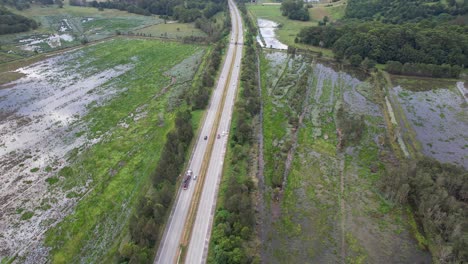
{"x":80,"y":134}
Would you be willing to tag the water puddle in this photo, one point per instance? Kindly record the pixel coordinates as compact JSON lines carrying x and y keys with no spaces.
{"x":36,"y":43}
{"x":440,"y":119}
{"x":267,"y":31}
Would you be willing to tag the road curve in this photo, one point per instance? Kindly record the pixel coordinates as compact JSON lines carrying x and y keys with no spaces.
{"x":169,"y":248}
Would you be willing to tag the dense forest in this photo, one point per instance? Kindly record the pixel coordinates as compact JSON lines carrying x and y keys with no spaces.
{"x":13,"y":23}
{"x":426,"y":33}
{"x":438,"y":194}
{"x":400,"y":11}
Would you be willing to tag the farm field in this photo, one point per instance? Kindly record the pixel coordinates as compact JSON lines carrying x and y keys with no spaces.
{"x":66,"y":27}
{"x":322,"y":202}
{"x":81,"y":133}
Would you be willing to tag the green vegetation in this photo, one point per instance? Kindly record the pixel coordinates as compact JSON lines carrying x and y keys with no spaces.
{"x":424,"y":36}
{"x":400,"y":11}
{"x":173,"y":30}
{"x":34,"y":169}
{"x":119,"y":167}
{"x":425,"y":70}
{"x":288,"y":28}
{"x":328,"y":192}
{"x":234,"y":219}
{"x":408,"y":43}
{"x":73,"y":23}
{"x":27,"y":215}
{"x":438,"y":194}
{"x":13,"y":23}
{"x":151,"y":210}
{"x":52,"y":180}
{"x":184,"y":12}
{"x":295,"y":10}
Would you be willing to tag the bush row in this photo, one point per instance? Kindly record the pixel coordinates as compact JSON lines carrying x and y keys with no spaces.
{"x":151,"y":209}
{"x":421,"y":69}
{"x":234,"y":219}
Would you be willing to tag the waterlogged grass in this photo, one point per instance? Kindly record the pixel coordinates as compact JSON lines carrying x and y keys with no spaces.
{"x":308,"y":222}
{"x":117,"y":169}
{"x":76,"y":22}
{"x":419,"y":84}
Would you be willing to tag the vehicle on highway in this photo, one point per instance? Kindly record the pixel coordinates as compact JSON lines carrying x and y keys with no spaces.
{"x":188,"y":176}
{"x":205,"y":138}
{"x":219,"y":136}
{"x":186,"y":182}
{"x":195,"y":178}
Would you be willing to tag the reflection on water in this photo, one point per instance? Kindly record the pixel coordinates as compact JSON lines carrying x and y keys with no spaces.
{"x":267,"y":30}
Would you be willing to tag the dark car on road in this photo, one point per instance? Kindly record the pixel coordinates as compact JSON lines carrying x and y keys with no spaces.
{"x":188,"y":176}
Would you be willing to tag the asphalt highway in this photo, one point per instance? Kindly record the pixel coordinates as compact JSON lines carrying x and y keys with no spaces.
{"x":169,"y":249}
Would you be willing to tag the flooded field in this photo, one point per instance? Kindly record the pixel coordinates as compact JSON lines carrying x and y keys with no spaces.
{"x":322,"y":204}
{"x":267,"y":36}
{"x":68,"y":27}
{"x":59,"y":115}
{"x":39,"y":125}
{"x":440,"y":118}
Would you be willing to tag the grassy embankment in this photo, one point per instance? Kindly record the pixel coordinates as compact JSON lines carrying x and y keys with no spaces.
{"x":330,"y":196}
{"x":290,"y":28}
{"x":117,"y":169}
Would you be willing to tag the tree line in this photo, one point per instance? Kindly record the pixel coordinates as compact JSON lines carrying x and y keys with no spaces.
{"x":425,"y":70}
{"x":401,"y":11}
{"x":438,"y":194}
{"x":407,"y":43}
{"x":152,"y":208}
{"x":184,"y":11}
{"x":13,"y":23}
{"x":234,"y":219}
{"x":24,"y":4}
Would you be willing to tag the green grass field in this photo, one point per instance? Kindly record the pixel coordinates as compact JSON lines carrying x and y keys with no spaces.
{"x":172,"y":30}
{"x":117,"y":169}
